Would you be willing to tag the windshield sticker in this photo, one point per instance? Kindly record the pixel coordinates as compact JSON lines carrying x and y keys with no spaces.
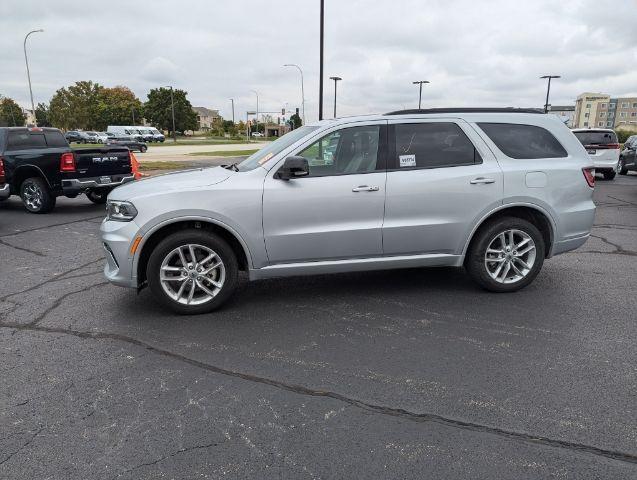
{"x":407,"y":160}
{"x":266,"y":158}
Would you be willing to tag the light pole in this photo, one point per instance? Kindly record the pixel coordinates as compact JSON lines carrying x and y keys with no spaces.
{"x":232,"y":100}
{"x":420,"y":82}
{"x":172,"y":108}
{"x":302,"y":89}
{"x":26,"y":60}
{"x":321,"y":63}
{"x":257,"y":94}
{"x":548,"y":90}
{"x":336,"y":79}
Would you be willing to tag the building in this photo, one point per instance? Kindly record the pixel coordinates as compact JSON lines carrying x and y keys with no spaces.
{"x":598,"y":110}
{"x":205,"y":118}
{"x":566,"y":113}
{"x":588,"y":107}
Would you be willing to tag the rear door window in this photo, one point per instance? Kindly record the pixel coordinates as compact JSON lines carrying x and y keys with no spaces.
{"x":524,"y":141}
{"x":431,"y":145}
{"x":596,"y":137}
{"x":24,"y":140}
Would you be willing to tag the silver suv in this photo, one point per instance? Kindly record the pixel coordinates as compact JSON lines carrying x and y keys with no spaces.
{"x":494,"y":190}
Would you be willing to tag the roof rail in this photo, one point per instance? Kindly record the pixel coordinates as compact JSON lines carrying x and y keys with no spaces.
{"x":466,"y":110}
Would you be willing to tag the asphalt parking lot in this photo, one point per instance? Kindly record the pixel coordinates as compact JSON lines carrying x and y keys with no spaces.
{"x":400,"y":374}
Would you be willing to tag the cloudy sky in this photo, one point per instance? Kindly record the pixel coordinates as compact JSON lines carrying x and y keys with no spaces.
{"x":474,"y":53}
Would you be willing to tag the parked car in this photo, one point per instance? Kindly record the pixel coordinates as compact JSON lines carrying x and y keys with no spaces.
{"x":77,"y":136}
{"x":494,"y":190}
{"x":92,"y":137}
{"x":147,"y":134}
{"x":121,"y":130}
{"x":603,"y":148}
{"x":257,"y":134}
{"x":628,"y":156}
{"x":39,"y":165}
{"x":127,"y":141}
{"x":102,"y":137}
{"x":157,"y":135}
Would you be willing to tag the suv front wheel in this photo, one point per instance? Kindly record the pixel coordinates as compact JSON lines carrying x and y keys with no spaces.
{"x":506,"y":255}
{"x":192,"y":272}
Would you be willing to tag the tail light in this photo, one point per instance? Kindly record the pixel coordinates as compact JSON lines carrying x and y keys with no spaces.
{"x":589,"y":175}
{"x":2,"y":174}
{"x":606,"y":146}
{"x":67,"y":162}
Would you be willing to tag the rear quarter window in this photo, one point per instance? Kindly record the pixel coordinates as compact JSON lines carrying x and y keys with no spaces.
{"x":524,"y":141}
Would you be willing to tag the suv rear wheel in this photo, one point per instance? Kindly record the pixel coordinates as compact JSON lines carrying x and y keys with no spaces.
{"x":36,"y":196}
{"x":506,"y":255}
{"x":192,"y":272}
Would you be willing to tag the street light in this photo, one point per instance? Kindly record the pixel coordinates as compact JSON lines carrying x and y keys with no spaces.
{"x":172,"y":108}
{"x":548,"y":89}
{"x":26,"y":60}
{"x":336,"y":79}
{"x":302,"y":89}
{"x":257,"y":94}
{"x":232,"y":100}
{"x":321,"y":63}
{"x":420,"y":82}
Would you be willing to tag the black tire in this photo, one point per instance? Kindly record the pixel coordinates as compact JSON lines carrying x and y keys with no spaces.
{"x":143,"y":148}
{"x":609,"y":174}
{"x":621,"y":167}
{"x":196,"y":237}
{"x":97,"y":196}
{"x":36,"y":196}
{"x":475,"y":258}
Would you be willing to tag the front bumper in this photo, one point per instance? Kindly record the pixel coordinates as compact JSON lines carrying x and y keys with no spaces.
{"x":75,"y":185}
{"x":117,"y":238}
{"x":5,"y":191}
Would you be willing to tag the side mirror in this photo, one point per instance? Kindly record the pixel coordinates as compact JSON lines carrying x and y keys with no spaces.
{"x":293,"y":167}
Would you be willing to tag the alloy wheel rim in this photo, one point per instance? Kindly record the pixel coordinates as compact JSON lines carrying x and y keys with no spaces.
{"x":510,"y":256}
{"x":192,"y":274}
{"x":32,"y":196}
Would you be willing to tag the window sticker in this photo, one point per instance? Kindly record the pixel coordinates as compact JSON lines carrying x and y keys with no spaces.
{"x":266,"y":158}
{"x":407,"y":160}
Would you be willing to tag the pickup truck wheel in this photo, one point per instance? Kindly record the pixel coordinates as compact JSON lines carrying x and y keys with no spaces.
{"x":143,"y":148}
{"x":36,"y":196}
{"x":192,"y":272}
{"x":97,"y":196}
{"x":505,"y":255}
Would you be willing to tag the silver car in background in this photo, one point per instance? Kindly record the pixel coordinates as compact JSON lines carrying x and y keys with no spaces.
{"x":494,"y":190}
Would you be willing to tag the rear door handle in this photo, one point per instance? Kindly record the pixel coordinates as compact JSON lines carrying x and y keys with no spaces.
{"x":481,"y":180}
{"x":366,"y":188}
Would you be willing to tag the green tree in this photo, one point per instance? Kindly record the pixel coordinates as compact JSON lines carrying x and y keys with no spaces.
{"x":10,"y":113}
{"x":76,"y":106}
{"x":296,"y":121}
{"x":42,"y":115}
{"x":157,"y":110}
{"x":118,"y":106}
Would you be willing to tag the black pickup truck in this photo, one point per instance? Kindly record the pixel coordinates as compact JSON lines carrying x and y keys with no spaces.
{"x":38,"y":164}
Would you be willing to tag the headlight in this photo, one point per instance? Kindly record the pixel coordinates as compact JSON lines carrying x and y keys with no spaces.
{"x":120,"y":211}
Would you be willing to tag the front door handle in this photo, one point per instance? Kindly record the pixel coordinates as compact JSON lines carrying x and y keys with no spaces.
{"x":481,"y":180}
{"x":366,"y":188}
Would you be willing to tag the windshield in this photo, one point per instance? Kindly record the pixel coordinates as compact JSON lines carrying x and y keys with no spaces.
{"x":596,"y":137}
{"x":276,"y":147}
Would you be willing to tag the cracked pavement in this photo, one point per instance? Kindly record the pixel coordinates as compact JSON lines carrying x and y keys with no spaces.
{"x":399,"y":374}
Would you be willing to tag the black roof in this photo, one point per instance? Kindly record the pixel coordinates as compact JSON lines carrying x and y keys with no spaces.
{"x":466,"y":110}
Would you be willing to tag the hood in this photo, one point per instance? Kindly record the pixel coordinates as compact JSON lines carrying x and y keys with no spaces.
{"x":186,"y":180}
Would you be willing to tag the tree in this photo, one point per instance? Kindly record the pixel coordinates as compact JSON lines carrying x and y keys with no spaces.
{"x":296,"y":121}
{"x":230,"y":127}
{"x":42,"y":115}
{"x":157,"y":110}
{"x":10,"y":113}
{"x":118,"y":106}
{"x":76,"y":106}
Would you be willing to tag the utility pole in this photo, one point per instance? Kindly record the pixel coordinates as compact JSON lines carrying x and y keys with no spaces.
{"x":257,"y":94}
{"x":336,"y":79}
{"x":548,"y":90}
{"x":26,"y":60}
{"x":232,"y":100}
{"x":321,"y":63}
{"x":172,"y":108}
{"x":420,"y":82}
{"x":302,"y":89}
